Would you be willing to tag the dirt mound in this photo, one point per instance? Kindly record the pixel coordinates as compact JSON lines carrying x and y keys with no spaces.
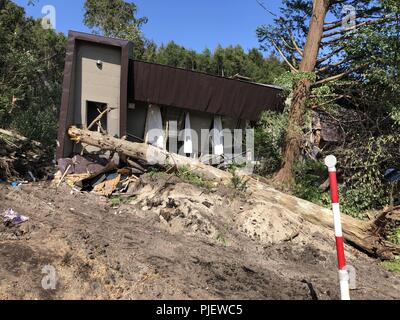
{"x":173,"y":240}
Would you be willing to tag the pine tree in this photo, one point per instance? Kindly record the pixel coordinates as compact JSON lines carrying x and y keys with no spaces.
{"x":117,"y":19}
{"x":319,"y":52}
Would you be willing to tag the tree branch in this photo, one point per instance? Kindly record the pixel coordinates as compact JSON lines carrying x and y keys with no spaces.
{"x":333,"y":78}
{"x":332,"y":25}
{"x":283,"y":56}
{"x":338,"y":76}
{"x":334,"y":40}
{"x":296,"y":46}
{"x":265,"y":8}
{"x":362,"y":24}
{"x":336,"y":64}
{"x":287,"y":44}
{"x":330,"y":55}
{"x":328,"y":102}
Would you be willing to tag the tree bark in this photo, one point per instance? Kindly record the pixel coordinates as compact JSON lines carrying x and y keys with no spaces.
{"x":147,"y":153}
{"x":361,"y":234}
{"x":301,"y":92}
{"x":367,"y":236}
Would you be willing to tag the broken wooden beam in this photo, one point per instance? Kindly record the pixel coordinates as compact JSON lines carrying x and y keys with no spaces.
{"x":98,"y":118}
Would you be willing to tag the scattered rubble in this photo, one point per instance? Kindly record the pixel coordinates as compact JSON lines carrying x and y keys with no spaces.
{"x":172,"y":240}
{"x":103,"y":175}
{"x":113,"y":229}
{"x":14,"y":218}
{"x":22,"y":159}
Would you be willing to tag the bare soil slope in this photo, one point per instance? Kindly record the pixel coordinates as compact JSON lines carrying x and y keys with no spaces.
{"x":172,"y":241}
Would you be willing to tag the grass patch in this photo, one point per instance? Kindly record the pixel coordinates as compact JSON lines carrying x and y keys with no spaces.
{"x":238,"y":183}
{"x":395,"y":236}
{"x":393,"y":265}
{"x":156,"y":172}
{"x":117,"y":200}
{"x":187,"y":175}
{"x":221,"y":237}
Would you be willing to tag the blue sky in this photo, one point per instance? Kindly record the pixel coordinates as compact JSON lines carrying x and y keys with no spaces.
{"x":195,"y":24}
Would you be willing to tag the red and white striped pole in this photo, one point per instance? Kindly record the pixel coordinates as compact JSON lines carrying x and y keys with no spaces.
{"x":330,"y":162}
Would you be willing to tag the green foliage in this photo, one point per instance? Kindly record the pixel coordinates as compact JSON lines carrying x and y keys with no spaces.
{"x":393,"y":265}
{"x":155,"y":171}
{"x":395,"y":236}
{"x":239,"y":183}
{"x":113,"y":18}
{"x":269,"y":134}
{"x":372,"y":133}
{"x":221,"y":236}
{"x":31,"y":64}
{"x":187,"y":175}
{"x":288,"y":79}
{"x":176,"y":56}
{"x":117,"y":19}
{"x":117,"y":200}
{"x":361,"y":185}
{"x":364,"y":104}
{"x":359,"y":199}
{"x":355,"y":200}
{"x":37,"y":123}
{"x":362,"y":166}
{"x":309,"y":176}
{"x":222,"y":62}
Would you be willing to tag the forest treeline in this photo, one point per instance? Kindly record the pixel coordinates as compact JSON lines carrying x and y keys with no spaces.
{"x":32,"y":63}
{"x":344,"y":92}
{"x":226,"y":62}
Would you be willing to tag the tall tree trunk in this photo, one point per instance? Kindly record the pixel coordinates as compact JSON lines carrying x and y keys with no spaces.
{"x":302,"y":91}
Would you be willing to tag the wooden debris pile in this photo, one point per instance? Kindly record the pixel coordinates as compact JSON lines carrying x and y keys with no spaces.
{"x":103,"y":174}
{"x":22,"y":159}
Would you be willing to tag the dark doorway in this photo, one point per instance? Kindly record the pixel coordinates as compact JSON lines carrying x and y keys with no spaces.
{"x":136,"y":121}
{"x":94,"y":109}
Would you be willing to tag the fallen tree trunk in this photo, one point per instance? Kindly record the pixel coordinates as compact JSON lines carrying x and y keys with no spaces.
{"x":147,"y":153}
{"x":364,"y":235}
{"x":367,"y":236}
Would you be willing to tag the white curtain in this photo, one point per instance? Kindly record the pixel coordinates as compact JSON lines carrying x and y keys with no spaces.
{"x":218,"y":137}
{"x":154,"y":127}
{"x":188,"y":142}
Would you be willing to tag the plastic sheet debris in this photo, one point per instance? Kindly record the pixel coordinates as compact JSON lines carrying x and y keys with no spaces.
{"x":10,"y":216}
{"x":392,"y":175}
{"x":16,"y":184}
{"x":32,"y":176}
{"x":80,"y":165}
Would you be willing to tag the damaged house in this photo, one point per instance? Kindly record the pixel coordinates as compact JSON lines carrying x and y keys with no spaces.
{"x":105,"y":89}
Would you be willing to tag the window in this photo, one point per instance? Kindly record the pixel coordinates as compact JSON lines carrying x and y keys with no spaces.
{"x":93,"y":110}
